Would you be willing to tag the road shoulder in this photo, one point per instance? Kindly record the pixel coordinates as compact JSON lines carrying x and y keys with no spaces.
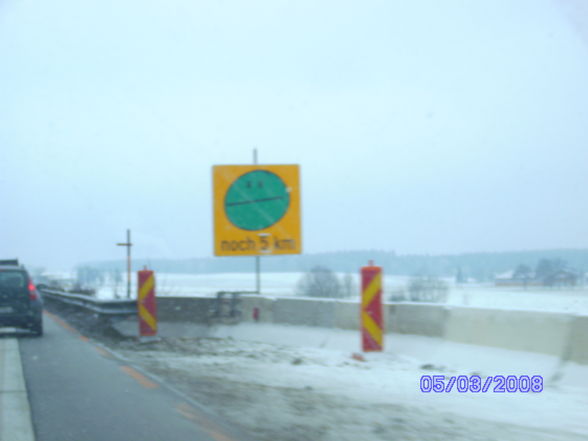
{"x":15,"y":413}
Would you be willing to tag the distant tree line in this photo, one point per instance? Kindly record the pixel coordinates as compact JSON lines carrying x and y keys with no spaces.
{"x":89,"y":278}
{"x":478,"y":266}
{"x":548,"y":272}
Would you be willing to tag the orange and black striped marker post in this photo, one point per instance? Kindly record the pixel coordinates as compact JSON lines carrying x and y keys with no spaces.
{"x":372,"y":319}
{"x":146,"y":304}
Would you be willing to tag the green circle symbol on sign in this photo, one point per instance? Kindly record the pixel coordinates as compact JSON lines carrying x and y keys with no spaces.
{"x":256,"y":200}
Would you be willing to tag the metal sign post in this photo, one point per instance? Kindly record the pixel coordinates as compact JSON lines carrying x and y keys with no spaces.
{"x":128,"y":244}
{"x":257,"y":258}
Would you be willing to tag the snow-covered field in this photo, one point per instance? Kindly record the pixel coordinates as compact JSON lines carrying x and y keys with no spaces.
{"x":170,"y":284}
{"x":284,"y":284}
{"x":566,"y":300}
{"x":285,"y":383}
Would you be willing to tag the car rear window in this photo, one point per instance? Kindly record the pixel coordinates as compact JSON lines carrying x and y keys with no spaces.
{"x":12,"y":279}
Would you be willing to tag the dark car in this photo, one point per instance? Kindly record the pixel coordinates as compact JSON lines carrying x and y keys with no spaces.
{"x":20,"y":303}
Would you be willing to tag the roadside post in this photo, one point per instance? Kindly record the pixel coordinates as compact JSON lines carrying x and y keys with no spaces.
{"x":372,"y":319}
{"x":146,"y":304}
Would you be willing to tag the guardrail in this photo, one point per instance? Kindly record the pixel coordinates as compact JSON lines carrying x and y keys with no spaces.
{"x":110,"y":308}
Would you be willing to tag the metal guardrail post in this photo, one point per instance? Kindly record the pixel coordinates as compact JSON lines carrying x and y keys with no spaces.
{"x":227,"y":307}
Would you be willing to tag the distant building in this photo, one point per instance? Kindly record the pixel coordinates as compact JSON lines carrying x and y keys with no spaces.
{"x":511,"y":278}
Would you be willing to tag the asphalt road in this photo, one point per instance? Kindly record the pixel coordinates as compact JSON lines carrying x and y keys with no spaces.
{"x":80,"y":392}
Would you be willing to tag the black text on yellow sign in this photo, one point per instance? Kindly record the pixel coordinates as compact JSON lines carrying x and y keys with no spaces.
{"x":256,"y":210}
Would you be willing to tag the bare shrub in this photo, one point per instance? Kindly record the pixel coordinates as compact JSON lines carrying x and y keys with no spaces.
{"x":319,"y":282}
{"x":427,"y":289}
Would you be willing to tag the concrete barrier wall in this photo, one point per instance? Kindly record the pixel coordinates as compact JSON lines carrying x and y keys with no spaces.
{"x":264,"y":305}
{"x":419,"y":319}
{"x":578,"y":341}
{"x":561,"y":335}
{"x":347,"y":315}
{"x":306,"y":312}
{"x":301,"y":311}
{"x":184,"y":309}
{"x":533,"y":331}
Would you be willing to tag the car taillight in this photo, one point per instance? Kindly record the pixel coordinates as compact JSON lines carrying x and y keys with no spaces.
{"x":32,"y":291}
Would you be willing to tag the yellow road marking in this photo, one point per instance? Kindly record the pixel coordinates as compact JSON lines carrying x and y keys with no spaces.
{"x":103,"y":352}
{"x":65,"y":325}
{"x":140,"y":378}
{"x":213,"y":430}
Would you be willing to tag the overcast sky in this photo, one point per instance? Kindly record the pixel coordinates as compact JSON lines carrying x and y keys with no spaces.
{"x":419,"y":126}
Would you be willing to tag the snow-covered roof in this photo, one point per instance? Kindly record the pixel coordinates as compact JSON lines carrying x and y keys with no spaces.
{"x":505,"y":275}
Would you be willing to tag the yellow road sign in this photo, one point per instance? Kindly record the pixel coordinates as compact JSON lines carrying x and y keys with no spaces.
{"x":256,"y":210}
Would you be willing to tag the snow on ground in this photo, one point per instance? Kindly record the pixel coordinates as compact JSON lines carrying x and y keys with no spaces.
{"x":565,"y":300}
{"x":172,"y":284}
{"x":297,"y":383}
{"x":284,"y":284}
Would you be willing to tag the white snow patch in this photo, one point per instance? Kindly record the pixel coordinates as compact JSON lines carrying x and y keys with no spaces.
{"x":286,"y":356}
